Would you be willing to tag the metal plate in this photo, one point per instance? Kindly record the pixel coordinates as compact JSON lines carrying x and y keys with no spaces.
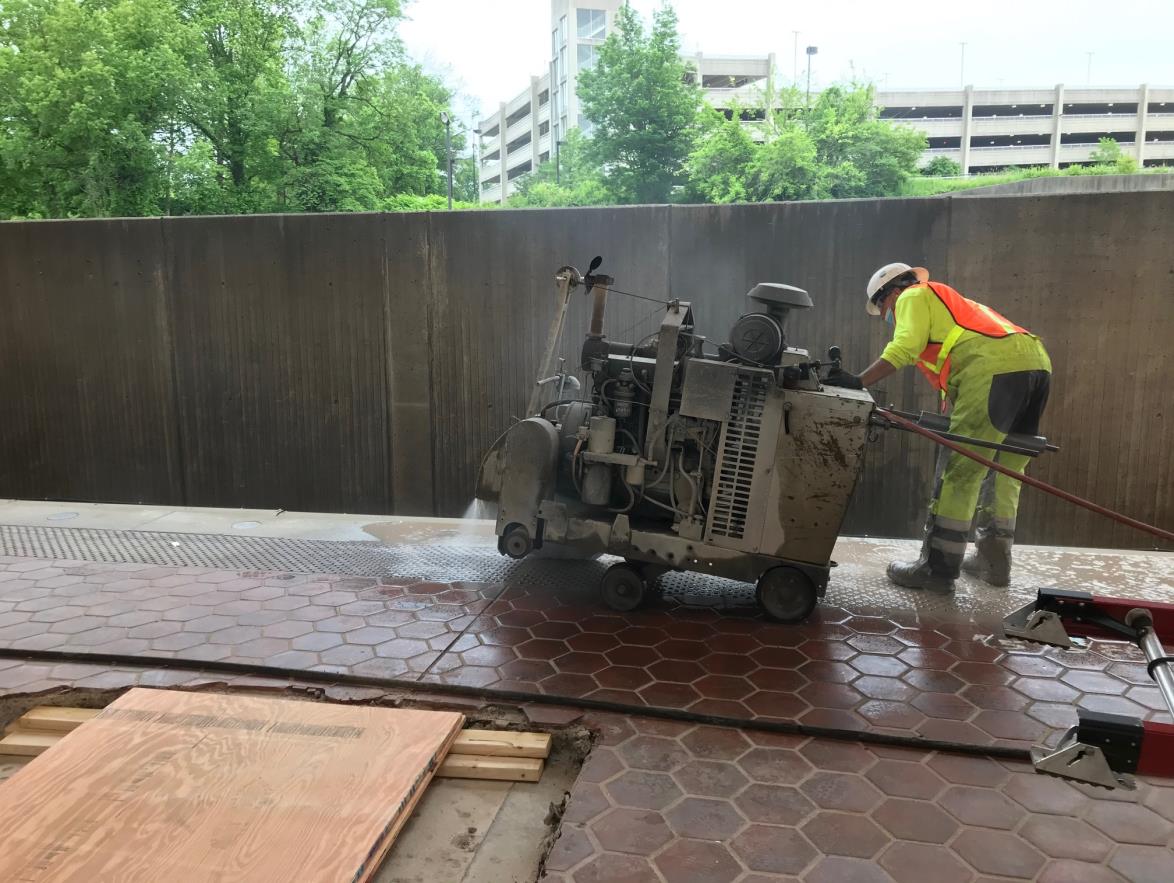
{"x":707,"y":389}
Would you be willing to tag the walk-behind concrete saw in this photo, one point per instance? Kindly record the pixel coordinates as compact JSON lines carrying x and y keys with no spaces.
{"x":730,"y":460}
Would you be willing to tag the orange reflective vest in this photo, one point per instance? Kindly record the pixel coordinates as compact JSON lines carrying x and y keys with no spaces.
{"x":969,"y":315}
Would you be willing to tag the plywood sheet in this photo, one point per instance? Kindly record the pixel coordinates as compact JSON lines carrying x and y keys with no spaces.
{"x":165,"y":785}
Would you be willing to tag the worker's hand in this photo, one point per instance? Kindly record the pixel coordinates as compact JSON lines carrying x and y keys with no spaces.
{"x":845,"y":379}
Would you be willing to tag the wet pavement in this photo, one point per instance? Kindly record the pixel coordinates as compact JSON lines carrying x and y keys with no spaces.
{"x":661,"y":801}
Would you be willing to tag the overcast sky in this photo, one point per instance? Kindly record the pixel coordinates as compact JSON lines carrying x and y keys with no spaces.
{"x":488,"y":49}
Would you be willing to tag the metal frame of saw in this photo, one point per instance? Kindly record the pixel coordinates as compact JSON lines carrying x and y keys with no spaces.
{"x":1105,"y":749}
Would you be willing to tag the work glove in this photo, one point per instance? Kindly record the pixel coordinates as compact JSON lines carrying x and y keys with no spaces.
{"x":844,"y":379}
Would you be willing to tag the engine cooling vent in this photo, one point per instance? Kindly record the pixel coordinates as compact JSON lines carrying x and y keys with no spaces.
{"x":739,"y":453}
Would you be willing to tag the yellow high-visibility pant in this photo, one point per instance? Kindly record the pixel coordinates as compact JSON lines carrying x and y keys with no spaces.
{"x":997,"y":386}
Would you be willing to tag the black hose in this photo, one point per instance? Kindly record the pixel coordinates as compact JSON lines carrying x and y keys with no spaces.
{"x":272,"y":672}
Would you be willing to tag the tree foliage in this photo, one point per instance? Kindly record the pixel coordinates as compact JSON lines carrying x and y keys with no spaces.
{"x":643,"y":109}
{"x":942,"y":167}
{"x":572,"y":177}
{"x":139,"y":107}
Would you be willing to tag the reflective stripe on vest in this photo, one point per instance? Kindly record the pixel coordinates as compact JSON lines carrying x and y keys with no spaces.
{"x":968,"y":315}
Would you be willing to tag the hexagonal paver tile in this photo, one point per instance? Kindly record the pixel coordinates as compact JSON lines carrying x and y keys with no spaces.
{"x":899,"y":778}
{"x":830,"y":754}
{"x":710,"y":778}
{"x":715,"y":743}
{"x":704,"y":819}
{"x":643,"y":790}
{"x":841,"y":791}
{"x":981,"y":807}
{"x":653,"y":753}
{"x":1143,"y":863}
{"x":774,"y":766}
{"x":688,"y":861}
{"x":840,"y":833}
{"x":1060,"y":837}
{"x":1129,"y":823}
{"x":960,"y":769}
{"x":571,"y":847}
{"x":774,"y":804}
{"x":635,"y":831}
{"x":1044,"y":794}
{"x":837,"y":869}
{"x":600,"y":765}
{"x":915,"y":820}
{"x":609,"y":867}
{"x":774,"y":850}
{"x":921,"y":863}
{"x":996,"y":852}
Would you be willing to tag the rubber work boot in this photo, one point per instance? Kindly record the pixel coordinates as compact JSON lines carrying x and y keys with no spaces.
{"x":919,"y":575}
{"x":990,"y":561}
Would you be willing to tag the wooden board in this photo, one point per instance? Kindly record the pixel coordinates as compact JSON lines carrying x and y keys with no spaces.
{"x":504,"y":769}
{"x":55,"y":720}
{"x":22,"y":743}
{"x":166,"y":785}
{"x":501,"y":743}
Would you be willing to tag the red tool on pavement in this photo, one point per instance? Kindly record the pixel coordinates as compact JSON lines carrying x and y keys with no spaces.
{"x":1104,"y":749}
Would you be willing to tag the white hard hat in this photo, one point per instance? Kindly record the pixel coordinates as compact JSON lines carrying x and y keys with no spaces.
{"x":887,"y":274}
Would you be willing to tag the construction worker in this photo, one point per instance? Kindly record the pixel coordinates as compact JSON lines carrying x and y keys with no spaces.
{"x":995,"y":377}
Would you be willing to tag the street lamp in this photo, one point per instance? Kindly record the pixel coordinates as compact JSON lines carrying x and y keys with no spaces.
{"x":811,"y":50}
{"x":447,"y":120}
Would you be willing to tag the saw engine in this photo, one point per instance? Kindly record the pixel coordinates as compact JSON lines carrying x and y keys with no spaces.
{"x":731,"y":460}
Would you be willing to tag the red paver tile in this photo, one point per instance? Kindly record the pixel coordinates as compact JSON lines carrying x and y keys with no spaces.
{"x":842,"y":791}
{"x":1044,"y":794}
{"x":774,"y":766}
{"x":704,"y":819}
{"x":847,"y":834}
{"x":922,"y":863}
{"x":715,"y":743}
{"x":601,"y":764}
{"x":689,"y":861}
{"x":933,"y":680}
{"x":634,"y":831}
{"x":710,"y":778}
{"x":774,"y":804}
{"x":831,"y":696}
{"x":727,"y":663}
{"x":1078,"y":872}
{"x":915,"y":820}
{"x":898,"y":778}
{"x":890,"y":715}
{"x":837,"y":869}
{"x":653,"y":753}
{"x":1129,"y":823}
{"x":981,"y":807}
{"x":996,"y":852}
{"x":960,"y":769}
{"x":609,"y":867}
{"x":1061,"y":837}
{"x":1093,"y":682}
{"x":571,"y":847}
{"x":643,"y":790}
{"x":1144,"y":863}
{"x":773,"y":704}
{"x":829,"y":754}
{"x":774,"y":850}
{"x":829,"y":672}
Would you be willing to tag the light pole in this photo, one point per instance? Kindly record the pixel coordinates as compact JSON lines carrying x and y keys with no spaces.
{"x":477,"y":160}
{"x":447,"y":120}
{"x":1088,"y":70}
{"x":811,"y":50}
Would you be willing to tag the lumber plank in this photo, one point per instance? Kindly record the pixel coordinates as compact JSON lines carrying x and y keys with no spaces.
{"x":502,"y":769}
{"x":202,"y":787}
{"x":501,"y":743}
{"x":56,"y":720}
{"x":22,"y":743}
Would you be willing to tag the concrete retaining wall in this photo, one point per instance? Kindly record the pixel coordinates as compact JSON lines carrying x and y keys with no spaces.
{"x":365,"y":362}
{"x":1064,"y":184}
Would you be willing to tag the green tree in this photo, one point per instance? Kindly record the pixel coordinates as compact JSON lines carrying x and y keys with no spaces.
{"x":941,"y":167}
{"x":84,"y":91}
{"x":718,"y":168}
{"x":787,"y":167}
{"x":861,"y":155}
{"x":1110,"y":155}
{"x":642,"y":108}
